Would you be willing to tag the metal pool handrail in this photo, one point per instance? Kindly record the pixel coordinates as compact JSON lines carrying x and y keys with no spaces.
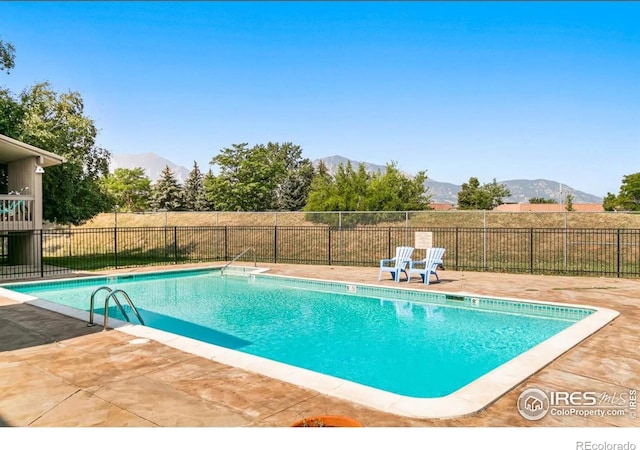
{"x":238,"y":256}
{"x":112,"y":293}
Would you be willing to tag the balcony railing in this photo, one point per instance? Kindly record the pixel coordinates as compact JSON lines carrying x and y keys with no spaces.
{"x":16,"y":212}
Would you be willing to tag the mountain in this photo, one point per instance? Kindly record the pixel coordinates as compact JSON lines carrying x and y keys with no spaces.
{"x":152,"y":164}
{"x":441,"y":192}
{"x":523,"y":190}
{"x":332,"y":163}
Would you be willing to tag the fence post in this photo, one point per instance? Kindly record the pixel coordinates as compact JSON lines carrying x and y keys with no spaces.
{"x":618,"y":253}
{"x":115,"y":246}
{"x":175,"y":245}
{"x":275,"y":244}
{"x":226,"y":244}
{"x":389,"y":243}
{"x":484,"y":240}
{"x":329,"y":252}
{"x":41,"y":255}
{"x":531,"y":250}
{"x":457,"y":253}
{"x":564,"y":247}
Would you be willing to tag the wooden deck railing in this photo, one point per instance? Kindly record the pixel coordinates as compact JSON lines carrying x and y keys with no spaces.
{"x":16,"y":212}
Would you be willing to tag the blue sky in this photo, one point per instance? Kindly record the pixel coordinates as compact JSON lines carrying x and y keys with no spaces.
{"x":503,"y":90}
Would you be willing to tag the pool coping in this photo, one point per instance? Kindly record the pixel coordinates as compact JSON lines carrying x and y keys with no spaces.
{"x":468,"y":400}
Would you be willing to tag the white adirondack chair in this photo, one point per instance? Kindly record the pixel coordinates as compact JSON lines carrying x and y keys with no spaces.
{"x":427,"y":266}
{"x":396,"y":264}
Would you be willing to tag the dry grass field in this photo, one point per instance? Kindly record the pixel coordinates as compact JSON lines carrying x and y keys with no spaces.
{"x":437,"y":219}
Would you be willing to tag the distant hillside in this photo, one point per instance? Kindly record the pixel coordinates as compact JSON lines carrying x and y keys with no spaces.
{"x":152,"y":164}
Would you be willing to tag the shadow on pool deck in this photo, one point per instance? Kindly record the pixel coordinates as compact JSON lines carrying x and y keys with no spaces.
{"x":56,"y":371}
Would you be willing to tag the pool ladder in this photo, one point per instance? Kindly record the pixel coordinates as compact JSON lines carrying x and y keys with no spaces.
{"x":112,"y":294}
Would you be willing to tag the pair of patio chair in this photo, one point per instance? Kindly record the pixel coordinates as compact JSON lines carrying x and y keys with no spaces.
{"x":424,"y":267}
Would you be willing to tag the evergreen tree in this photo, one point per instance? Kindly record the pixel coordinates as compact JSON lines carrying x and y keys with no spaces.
{"x":295,"y":175}
{"x":569,"y":202}
{"x":193,"y":194}
{"x":166,"y":193}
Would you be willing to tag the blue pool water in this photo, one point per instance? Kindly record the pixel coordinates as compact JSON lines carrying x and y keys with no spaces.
{"x":411,"y":343}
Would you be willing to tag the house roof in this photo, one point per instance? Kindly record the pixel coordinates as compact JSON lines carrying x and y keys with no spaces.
{"x":441,"y":206}
{"x":548,"y":207}
{"x":12,"y":150}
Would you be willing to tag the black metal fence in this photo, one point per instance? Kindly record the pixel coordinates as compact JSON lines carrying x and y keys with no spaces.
{"x":562,"y":251}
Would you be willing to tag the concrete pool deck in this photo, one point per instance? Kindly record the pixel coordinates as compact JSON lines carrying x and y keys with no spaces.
{"x":56,"y":371}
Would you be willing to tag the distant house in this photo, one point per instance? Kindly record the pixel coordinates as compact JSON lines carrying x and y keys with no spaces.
{"x":548,"y":207}
{"x":441,"y":206}
{"x":22,"y":166}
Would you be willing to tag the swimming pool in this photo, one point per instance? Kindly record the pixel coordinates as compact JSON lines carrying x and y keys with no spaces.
{"x":400,"y":350}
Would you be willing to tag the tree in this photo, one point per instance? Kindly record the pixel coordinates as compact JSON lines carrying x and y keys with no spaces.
{"x":7,"y":56}
{"x":321,"y":193}
{"x":261,"y":178}
{"x":351,"y":187}
{"x":56,"y":122}
{"x":358,"y":190}
{"x":629,"y":196}
{"x":193,"y":193}
{"x":393,"y":191}
{"x":569,"y":202}
{"x":488,"y":196}
{"x":129,"y":188}
{"x":72,"y":193}
{"x":610,"y":202}
{"x":166,"y":193}
{"x":11,"y":114}
{"x":246,"y":180}
{"x":542,"y":200}
{"x":471,"y":195}
{"x":296,"y":173}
